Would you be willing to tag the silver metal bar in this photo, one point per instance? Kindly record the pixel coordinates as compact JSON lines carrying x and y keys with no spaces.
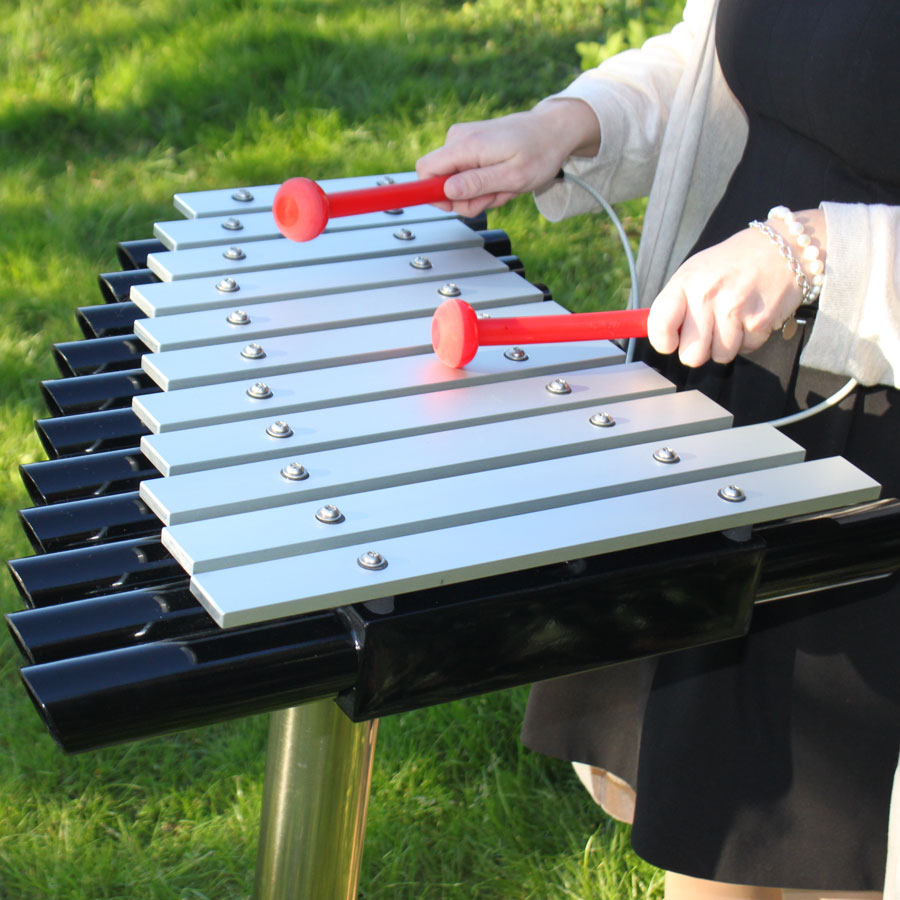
{"x":338,"y":246}
{"x":196,"y":329}
{"x":216,"y":364}
{"x":380,"y":514}
{"x":315,"y":798}
{"x":189,"y":295}
{"x":343,"y":470}
{"x":269,"y":590}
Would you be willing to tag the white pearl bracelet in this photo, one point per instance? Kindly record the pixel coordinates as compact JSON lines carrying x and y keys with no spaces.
{"x":810,"y":254}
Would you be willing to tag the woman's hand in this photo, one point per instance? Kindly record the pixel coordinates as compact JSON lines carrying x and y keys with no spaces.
{"x":497,"y":159}
{"x":729,"y":298}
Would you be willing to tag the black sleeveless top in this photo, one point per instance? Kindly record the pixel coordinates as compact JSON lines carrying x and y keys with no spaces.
{"x":769,"y":760}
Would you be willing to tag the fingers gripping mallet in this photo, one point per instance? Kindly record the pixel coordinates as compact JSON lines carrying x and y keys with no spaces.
{"x":302,"y":209}
{"x":457,"y":332}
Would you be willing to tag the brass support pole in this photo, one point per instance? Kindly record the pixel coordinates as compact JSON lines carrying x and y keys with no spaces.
{"x":318,"y":769}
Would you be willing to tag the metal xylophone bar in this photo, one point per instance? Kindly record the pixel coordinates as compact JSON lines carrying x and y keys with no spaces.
{"x":114,"y":618}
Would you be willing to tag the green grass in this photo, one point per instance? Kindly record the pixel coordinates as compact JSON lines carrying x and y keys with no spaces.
{"x":107,"y":108}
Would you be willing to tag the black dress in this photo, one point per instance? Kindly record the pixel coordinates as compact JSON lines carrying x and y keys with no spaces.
{"x":769,"y":760}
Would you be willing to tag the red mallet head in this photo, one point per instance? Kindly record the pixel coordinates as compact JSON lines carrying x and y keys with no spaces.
{"x":301,"y":209}
{"x":454,"y":333}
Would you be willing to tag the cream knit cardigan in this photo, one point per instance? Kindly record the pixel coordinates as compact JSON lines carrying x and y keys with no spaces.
{"x":671,"y":128}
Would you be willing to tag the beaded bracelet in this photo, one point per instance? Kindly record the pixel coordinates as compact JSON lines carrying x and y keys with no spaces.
{"x":810,"y":291}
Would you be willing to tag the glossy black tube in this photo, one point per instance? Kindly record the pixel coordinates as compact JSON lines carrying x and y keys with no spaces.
{"x":133,"y":254}
{"x":496,"y":242}
{"x":120,"y":695}
{"x":97,"y":355}
{"x":108,"y":320}
{"x":90,"y":475}
{"x":514,"y":264}
{"x":97,"y":432}
{"x":69,"y":575}
{"x":88,"y":523}
{"x":108,"y":622}
{"x":95,"y":393}
{"x":116,"y":286}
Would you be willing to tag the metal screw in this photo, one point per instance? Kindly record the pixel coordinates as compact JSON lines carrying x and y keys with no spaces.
{"x":233,"y":224}
{"x":238,"y":317}
{"x":242,"y":195}
{"x":404,"y":234}
{"x":253,"y":351}
{"x":602,"y":420}
{"x":294,"y":472}
{"x":559,"y":386}
{"x":383,"y":180}
{"x":228,"y":286}
{"x":372,"y":560}
{"x":234,"y":253}
{"x":279,"y":430}
{"x":732,"y":493}
{"x":449,"y":290}
{"x":330,"y":515}
{"x":259,"y":391}
{"x":394,"y":212}
{"x":666,"y":455}
{"x":516,"y":354}
{"x":482,"y":315}
{"x":421,"y":262}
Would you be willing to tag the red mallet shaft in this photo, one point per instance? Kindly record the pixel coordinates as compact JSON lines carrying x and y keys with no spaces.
{"x":457,"y":332}
{"x":302,"y":209}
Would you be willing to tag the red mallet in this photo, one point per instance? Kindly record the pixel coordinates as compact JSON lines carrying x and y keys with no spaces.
{"x":302,"y":209}
{"x":457,"y":332}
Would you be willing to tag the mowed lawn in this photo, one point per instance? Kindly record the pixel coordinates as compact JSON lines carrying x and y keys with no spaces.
{"x":107,"y":108}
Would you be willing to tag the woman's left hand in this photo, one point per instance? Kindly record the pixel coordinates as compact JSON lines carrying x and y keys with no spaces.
{"x":729,"y":298}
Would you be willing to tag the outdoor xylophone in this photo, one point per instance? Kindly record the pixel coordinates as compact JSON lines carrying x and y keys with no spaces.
{"x":264,"y":489}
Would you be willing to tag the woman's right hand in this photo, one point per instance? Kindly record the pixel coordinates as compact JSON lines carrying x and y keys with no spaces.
{"x":492,"y":161}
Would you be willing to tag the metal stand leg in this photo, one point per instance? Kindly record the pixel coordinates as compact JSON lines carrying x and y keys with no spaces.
{"x":318,"y":769}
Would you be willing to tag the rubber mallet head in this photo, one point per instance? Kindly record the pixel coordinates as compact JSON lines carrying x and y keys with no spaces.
{"x":301,"y":209}
{"x":454,"y":333}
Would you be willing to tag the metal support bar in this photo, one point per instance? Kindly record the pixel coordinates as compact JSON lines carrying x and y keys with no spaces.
{"x":318,"y":771}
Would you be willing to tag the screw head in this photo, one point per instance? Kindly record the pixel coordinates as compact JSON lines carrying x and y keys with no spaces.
{"x":421,"y":262}
{"x":394,"y":212}
{"x":253,"y":351}
{"x":242,"y":195}
{"x":238,"y":317}
{"x":450,"y":289}
{"x":228,"y":285}
{"x":383,"y":180}
{"x":259,"y":391}
{"x":372,"y":560}
{"x":602,"y":420}
{"x":232,"y":224}
{"x":234,"y":253}
{"x":559,"y":386}
{"x":516,"y":354}
{"x":294,"y":471}
{"x":732,"y":493}
{"x":279,"y":429}
{"x":666,"y":455}
{"x":404,"y":234}
{"x":330,"y":515}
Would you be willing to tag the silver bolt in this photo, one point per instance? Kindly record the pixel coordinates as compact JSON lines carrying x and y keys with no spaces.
{"x":238,"y":317}
{"x":228,"y":286}
{"x":242,"y":195}
{"x":559,"y":386}
{"x":404,"y":234}
{"x":294,"y":472}
{"x":232,"y":224}
{"x":516,"y":354}
{"x":253,"y":351}
{"x":421,"y":262}
{"x":372,"y":560}
{"x":259,"y":391}
{"x":279,"y":429}
{"x":449,"y":290}
{"x":666,"y":455}
{"x":602,"y":420}
{"x":394,"y":212}
{"x":383,"y":180}
{"x":234,"y":253}
{"x":330,"y":515}
{"x":732,"y":493}
{"x":482,"y":315}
